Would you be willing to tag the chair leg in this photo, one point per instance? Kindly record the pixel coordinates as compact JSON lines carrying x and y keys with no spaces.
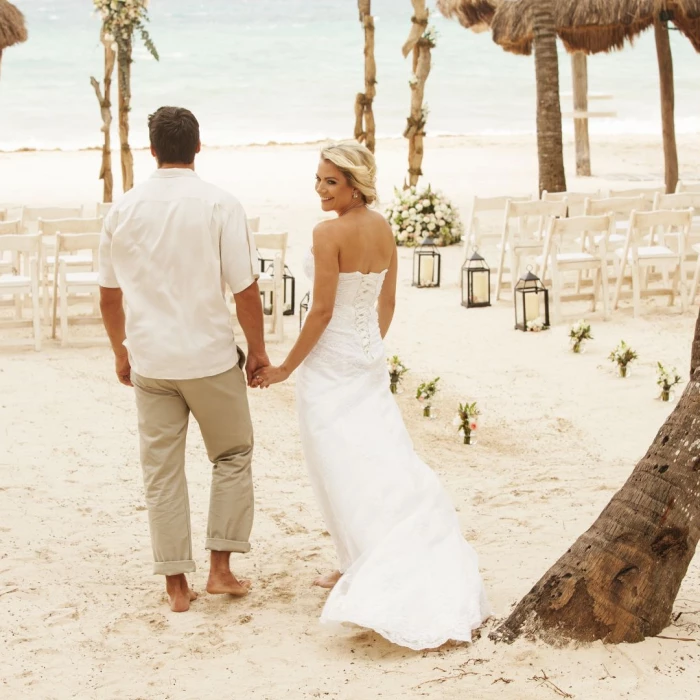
{"x":36,"y":309}
{"x":605,"y":287}
{"x":556,"y":290}
{"x":694,"y":283}
{"x":679,"y":282}
{"x":501,"y":265}
{"x":63,"y":298}
{"x":636,"y":292}
{"x":618,"y":284}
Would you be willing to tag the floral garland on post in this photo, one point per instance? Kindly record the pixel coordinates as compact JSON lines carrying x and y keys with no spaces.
{"x":120,"y":19}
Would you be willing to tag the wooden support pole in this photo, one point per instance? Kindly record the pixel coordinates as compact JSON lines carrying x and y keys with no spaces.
{"x":579,"y":72}
{"x":663,"y":52}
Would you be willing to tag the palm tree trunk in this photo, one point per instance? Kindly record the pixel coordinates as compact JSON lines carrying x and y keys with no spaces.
{"x":364,"y":116}
{"x":665,"y":59}
{"x":124,"y":61}
{"x":619,"y":580}
{"x":549,"y":139}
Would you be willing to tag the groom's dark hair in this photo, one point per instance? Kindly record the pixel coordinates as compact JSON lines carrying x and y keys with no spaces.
{"x":174,"y":134}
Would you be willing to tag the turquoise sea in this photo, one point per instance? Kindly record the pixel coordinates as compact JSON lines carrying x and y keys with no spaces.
{"x":256,"y":71}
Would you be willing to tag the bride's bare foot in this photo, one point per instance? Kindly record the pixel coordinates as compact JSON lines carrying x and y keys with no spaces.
{"x":329,"y":580}
{"x":180,"y":595}
{"x":221,"y":580}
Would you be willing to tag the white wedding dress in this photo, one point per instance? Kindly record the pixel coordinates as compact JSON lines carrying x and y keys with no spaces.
{"x":407,"y":571}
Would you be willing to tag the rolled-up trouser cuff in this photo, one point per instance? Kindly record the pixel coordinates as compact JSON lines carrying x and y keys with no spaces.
{"x":172,"y":568}
{"x":216,"y":545}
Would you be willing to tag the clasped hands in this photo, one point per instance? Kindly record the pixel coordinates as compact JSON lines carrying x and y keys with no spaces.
{"x":261,"y":373}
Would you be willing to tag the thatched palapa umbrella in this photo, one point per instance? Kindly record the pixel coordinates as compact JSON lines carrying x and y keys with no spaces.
{"x":476,"y":14}
{"x":595,"y":26}
{"x":12,"y":28}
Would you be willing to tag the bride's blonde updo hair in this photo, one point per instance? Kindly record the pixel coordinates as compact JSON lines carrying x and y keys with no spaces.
{"x":357,"y":163}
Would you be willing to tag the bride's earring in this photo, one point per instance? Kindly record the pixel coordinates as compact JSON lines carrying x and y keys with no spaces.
{"x":354,"y":194}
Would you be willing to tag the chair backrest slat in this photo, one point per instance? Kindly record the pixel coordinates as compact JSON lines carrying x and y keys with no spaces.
{"x":21,"y":243}
{"x":271,"y":241}
{"x":496,"y":204}
{"x":10,"y":227}
{"x":35,"y":213}
{"x":646,"y":192}
{"x":687,"y":186}
{"x":71,"y":242}
{"x":79,"y":225}
{"x":681,"y":200}
{"x":621,"y":207}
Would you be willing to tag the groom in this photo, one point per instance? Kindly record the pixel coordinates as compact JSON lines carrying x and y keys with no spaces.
{"x":168,"y":248}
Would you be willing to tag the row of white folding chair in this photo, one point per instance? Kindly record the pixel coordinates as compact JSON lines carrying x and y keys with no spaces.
{"x":23,"y":280}
{"x":587,"y":244}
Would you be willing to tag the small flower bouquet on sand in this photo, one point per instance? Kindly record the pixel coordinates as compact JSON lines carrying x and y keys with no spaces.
{"x":396,"y":371}
{"x":425,"y":393}
{"x":622,"y":355}
{"x":466,"y":421}
{"x":580,"y":331}
{"x":666,"y":378}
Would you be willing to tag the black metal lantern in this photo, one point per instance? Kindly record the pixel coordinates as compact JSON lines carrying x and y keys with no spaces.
{"x":267,"y":265}
{"x":304,"y":308}
{"x":476,"y":282}
{"x":531,"y":303}
{"x":426,"y":264}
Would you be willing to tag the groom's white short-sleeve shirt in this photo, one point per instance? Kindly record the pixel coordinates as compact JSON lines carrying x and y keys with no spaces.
{"x":171,"y":244}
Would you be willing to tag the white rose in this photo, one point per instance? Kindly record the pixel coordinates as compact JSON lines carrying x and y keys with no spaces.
{"x":441,"y":222}
{"x":419,"y":207}
{"x":431,"y":226}
{"x":412,"y":211}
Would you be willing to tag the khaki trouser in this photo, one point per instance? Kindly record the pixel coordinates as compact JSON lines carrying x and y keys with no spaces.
{"x":220,"y":406}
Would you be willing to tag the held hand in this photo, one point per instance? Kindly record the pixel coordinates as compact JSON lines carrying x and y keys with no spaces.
{"x":269,"y":375}
{"x":123,"y":368}
{"x":255,"y":362}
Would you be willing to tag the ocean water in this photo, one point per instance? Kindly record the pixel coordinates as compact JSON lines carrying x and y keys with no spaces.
{"x":258,"y":71}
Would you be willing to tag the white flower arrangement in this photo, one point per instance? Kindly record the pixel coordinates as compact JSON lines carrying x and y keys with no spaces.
{"x":122,"y":17}
{"x":416,"y":214}
{"x":580,"y":331}
{"x":430,"y":36}
{"x":667,"y":378}
{"x":536,"y":325}
{"x":622,"y":355}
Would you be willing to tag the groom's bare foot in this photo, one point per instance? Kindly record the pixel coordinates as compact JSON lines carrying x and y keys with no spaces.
{"x":329,"y":580}
{"x":227,"y":583}
{"x":180,"y":595}
{"x":221,"y":580}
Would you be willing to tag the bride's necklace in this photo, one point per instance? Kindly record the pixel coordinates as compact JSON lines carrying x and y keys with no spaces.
{"x":350,"y":208}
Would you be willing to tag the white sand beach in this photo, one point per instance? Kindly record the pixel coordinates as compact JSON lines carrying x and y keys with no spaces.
{"x":82,"y":616}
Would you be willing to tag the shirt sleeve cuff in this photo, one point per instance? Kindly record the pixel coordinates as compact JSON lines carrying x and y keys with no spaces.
{"x":244,"y":284}
{"x":107,"y":282}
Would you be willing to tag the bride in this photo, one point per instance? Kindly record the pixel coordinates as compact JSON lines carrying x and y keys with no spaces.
{"x":404,"y":569}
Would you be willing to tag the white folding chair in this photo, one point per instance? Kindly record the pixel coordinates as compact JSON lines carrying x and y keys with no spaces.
{"x":482,"y":207}
{"x":102,"y":209}
{"x":23,"y":280}
{"x":13,"y":227}
{"x":31,"y":215}
{"x":68,"y":282}
{"x":272,"y":280}
{"x":566,"y":250}
{"x":83,"y":260}
{"x":523,"y":234}
{"x":640,"y":253}
{"x":687,"y":186}
{"x":647,"y":192}
{"x":575,"y":200}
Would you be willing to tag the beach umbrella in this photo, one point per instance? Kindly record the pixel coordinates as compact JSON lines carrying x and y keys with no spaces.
{"x":479,"y":14}
{"x":12,"y":28}
{"x":596,"y":26}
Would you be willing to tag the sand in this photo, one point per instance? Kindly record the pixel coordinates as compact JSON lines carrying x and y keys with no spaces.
{"x":82,"y":616}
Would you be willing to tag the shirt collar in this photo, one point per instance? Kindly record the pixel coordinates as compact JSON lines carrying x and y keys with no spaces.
{"x":174,"y":172}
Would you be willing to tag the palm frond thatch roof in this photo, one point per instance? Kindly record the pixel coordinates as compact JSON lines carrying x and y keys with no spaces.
{"x":591,"y":26}
{"x":12,"y":28}
{"x":472,"y":14}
